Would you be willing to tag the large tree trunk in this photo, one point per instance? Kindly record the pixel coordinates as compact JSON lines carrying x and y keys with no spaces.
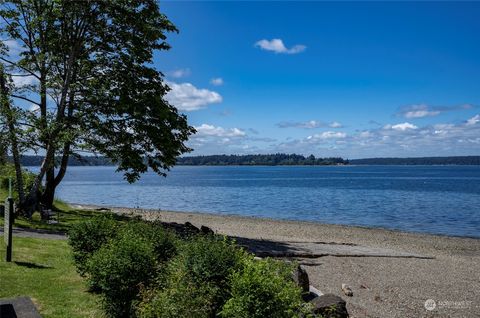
{"x":48,"y":193}
{"x":53,"y":181}
{"x":32,"y":201}
{"x":10,"y":118}
{"x":3,"y":152}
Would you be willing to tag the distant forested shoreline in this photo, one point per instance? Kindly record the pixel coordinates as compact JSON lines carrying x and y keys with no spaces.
{"x":274,"y":160}
{"x":455,"y":160}
{"x":33,"y":161}
{"x":214,"y":160}
{"x":260,"y":160}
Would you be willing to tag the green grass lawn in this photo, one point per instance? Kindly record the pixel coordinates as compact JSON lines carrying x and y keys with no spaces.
{"x":65,"y":214}
{"x":43,"y":270}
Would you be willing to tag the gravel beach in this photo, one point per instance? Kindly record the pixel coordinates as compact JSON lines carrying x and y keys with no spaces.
{"x":383,"y":286}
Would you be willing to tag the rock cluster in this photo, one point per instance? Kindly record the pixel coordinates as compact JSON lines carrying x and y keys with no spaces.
{"x":187,"y":229}
{"x":326,"y":305}
{"x":330,"y":306}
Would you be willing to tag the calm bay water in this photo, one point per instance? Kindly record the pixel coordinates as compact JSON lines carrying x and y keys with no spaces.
{"x":431,"y":199}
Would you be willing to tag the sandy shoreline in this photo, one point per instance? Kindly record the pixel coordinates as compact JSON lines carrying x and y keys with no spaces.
{"x":383,"y":286}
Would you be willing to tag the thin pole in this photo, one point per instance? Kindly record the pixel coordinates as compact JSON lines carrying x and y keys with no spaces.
{"x":8,"y":229}
{"x":10,"y":187}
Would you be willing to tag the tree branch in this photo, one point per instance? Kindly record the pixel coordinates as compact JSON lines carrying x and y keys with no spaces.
{"x":25,"y":98}
{"x":20,"y":67}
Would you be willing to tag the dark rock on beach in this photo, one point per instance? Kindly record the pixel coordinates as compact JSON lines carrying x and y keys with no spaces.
{"x":300,"y":277}
{"x":330,"y":306}
{"x":206,"y":230}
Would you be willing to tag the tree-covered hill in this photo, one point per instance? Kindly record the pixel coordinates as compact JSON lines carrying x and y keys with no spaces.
{"x":33,"y":161}
{"x":457,"y":160}
{"x":274,"y":160}
{"x":214,"y":160}
{"x":278,"y":159}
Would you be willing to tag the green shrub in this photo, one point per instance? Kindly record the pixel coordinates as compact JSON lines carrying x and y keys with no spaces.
{"x":7,"y":171}
{"x":88,"y":236}
{"x":197,"y":283}
{"x":119,"y":268}
{"x":164,"y":242}
{"x":131,"y":259}
{"x":185,"y":299}
{"x":210,"y":259}
{"x":264,"y":289}
{"x":143,"y":270}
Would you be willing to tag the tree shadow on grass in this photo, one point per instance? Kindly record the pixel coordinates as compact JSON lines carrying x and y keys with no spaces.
{"x":33,"y":265}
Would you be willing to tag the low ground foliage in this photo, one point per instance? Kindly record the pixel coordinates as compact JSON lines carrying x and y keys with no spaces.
{"x":143,"y":270}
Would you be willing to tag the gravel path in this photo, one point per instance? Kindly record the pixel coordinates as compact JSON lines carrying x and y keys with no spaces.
{"x":41,"y":234}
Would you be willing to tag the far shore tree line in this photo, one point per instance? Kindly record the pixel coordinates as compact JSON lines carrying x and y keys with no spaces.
{"x":77,"y":77}
{"x":278,"y":159}
{"x":264,"y":160}
{"x":214,"y":160}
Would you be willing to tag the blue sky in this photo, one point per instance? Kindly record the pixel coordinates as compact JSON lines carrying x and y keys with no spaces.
{"x":332,"y":79}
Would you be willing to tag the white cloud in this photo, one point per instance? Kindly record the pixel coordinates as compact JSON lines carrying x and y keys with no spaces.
{"x":421,"y":113}
{"x":328,"y":135}
{"x":182,"y":72}
{"x":472,"y":121}
{"x":418,"y":111}
{"x":307,"y":124}
{"x":424,"y":110}
{"x":335,"y":124}
{"x":311,"y":124}
{"x":218,"y":81}
{"x":365,"y":134}
{"x":14,"y":47}
{"x":400,"y":127}
{"x":400,"y":140}
{"x":277,"y":46}
{"x":34,"y":108}
{"x":217,"y":131}
{"x":396,"y":140}
{"x":187,"y":97}
{"x":211,"y":139}
{"x":20,"y":81}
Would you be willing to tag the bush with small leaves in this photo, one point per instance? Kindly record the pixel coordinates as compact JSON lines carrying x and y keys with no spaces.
{"x":7,"y":171}
{"x":186,"y":299}
{"x":88,"y":236}
{"x":264,"y":288}
{"x":197,"y":281}
{"x":119,"y":268}
{"x":210,"y":259}
{"x":133,"y":258}
{"x":164,"y":242}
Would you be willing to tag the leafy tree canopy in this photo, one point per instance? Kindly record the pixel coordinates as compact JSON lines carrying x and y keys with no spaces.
{"x":79,"y":78}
